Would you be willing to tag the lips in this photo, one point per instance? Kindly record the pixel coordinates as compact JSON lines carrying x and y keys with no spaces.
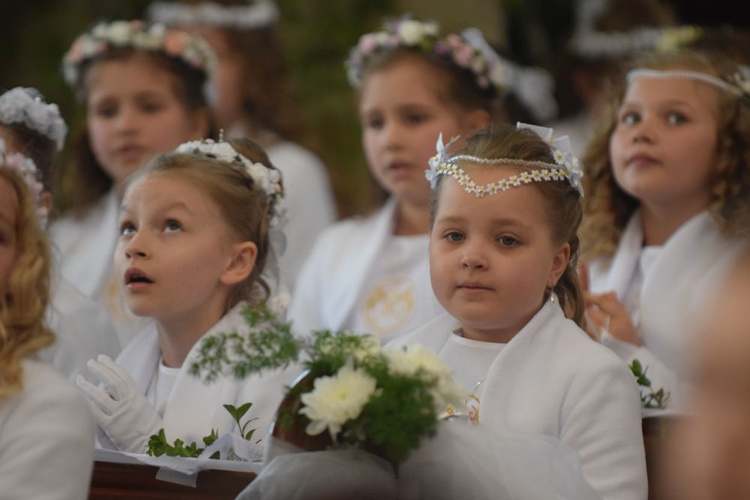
{"x":642,"y":159}
{"x":472,"y":286}
{"x":134,"y":276}
{"x":130,"y":152}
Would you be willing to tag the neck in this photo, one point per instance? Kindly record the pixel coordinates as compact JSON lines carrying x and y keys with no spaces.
{"x":660,"y":223}
{"x":178,"y":335}
{"x":501,"y":335}
{"x":412,"y":219}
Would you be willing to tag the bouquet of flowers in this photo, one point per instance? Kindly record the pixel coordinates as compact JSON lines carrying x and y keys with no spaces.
{"x":352,"y":393}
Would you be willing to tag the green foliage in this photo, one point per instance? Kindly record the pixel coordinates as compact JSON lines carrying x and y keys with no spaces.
{"x":158,"y":446}
{"x":237,"y":414}
{"x":652,"y":399}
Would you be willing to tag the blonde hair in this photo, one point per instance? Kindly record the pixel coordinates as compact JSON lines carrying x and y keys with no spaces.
{"x":607,"y":207}
{"x":242,"y":203}
{"x":22,"y":309}
{"x":563,"y":207}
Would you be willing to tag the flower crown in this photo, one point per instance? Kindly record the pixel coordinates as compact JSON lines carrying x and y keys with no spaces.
{"x":469,"y":51}
{"x":259,"y":14}
{"x":267,"y":179}
{"x":594,"y":44}
{"x":566,"y":166}
{"x":26,"y":169}
{"x":27,"y":106}
{"x":136,"y":35}
{"x":738,"y":84}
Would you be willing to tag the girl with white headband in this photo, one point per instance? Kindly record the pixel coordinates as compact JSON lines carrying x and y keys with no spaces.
{"x":198,"y":232}
{"x":503,"y":256}
{"x":669,"y":182}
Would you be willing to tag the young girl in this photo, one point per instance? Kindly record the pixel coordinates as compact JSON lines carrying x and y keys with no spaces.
{"x":371,"y":274}
{"x":503,"y":254}
{"x":669,"y":187}
{"x":142,"y":87}
{"x":35,"y":129}
{"x":253,"y":100}
{"x":44,"y":422}
{"x":195,"y":233}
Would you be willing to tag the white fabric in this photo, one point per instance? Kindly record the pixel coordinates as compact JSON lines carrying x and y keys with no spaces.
{"x":83,"y":330}
{"x":470,"y":360}
{"x":311,"y":206}
{"x":163,"y":385}
{"x":194,"y":407}
{"x":680,"y":279}
{"x":46,"y":439}
{"x":346,"y":257}
{"x":578,"y":129}
{"x":461,"y":461}
{"x":551,"y":379}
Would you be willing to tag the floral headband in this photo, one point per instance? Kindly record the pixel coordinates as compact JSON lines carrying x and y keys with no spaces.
{"x":27,"y":106}
{"x":739,"y":84}
{"x":595,"y":44}
{"x":566,"y":166}
{"x":255,"y":15}
{"x":136,"y":35}
{"x":267,"y":179}
{"x":26,"y":169}
{"x":469,"y":51}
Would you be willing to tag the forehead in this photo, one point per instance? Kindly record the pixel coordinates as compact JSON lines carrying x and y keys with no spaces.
{"x":654,"y":90}
{"x":131,"y":73}
{"x":154,"y":191}
{"x":408,"y":80}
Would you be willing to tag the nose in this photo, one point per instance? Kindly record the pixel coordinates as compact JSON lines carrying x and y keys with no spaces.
{"x":474,"y":256}
{"x":643,"y":131}
{"x":127,"y":120}
{"x":135,"y":247}
{"x":392,"y":135}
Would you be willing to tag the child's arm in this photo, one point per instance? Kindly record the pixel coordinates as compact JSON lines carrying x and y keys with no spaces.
{"x":122,"y":412}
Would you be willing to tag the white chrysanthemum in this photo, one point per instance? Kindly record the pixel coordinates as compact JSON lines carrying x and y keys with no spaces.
{"x":411,"y":32}
{"x":119,"y":32}
{"x":337,"y":399}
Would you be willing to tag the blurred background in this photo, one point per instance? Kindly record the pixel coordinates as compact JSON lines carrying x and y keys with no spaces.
{"x":316,"y":36}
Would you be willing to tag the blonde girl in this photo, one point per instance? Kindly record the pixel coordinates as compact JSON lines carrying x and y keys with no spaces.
{"x":370,"y":274}
{"x":196,"y":231}
{"x":503,"y":255}
{"x":669,"y":182}
{"x":142,"y":88}
{"x":44,"y":422}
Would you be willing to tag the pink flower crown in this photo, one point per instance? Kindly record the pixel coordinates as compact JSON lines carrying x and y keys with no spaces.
{"x":135,"y":34}
{"x":468,"y":50}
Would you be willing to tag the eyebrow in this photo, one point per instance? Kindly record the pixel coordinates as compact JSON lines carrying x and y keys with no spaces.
{"x":164,"y":208}
{"x":496,"y":221}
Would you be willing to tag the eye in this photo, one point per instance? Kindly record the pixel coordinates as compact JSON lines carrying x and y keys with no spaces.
{"x":172,"y":226}
{"x":151,"y":107}
{"x":127,"y":228}
{"x":630,"y":118}
{"x":373,"y":123}
{"x":507,"y":241}
{"x":416,"y":118}
{"x":454,"y":236}
{"x":676,"y":118}
{"x":105,"y":110}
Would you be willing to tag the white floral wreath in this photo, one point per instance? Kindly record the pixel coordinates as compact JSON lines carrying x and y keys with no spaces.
{"x":26,"y":106}
{"x":252,"y":15}
{"x":137,"y":35}
{"x":26,"y":169}
{"x":469,"y":51}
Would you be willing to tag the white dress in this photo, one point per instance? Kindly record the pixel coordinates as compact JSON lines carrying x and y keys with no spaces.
{"x":194,"y":408}
{"x":552,"y":380}
{"x":359,"y":274}
{"x":670,"y":297}
{"x":46,"y":439}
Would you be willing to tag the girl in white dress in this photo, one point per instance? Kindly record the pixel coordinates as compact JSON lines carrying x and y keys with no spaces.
{"x":370,"y":274}
{"x":143,"y":92}
{"x":252,"y":98}
{"x":503,"y":255}
{"x":670,"y":183}
{"x":46,"y":428}
{"x":196,"y":230}
{"x":83,"y":329}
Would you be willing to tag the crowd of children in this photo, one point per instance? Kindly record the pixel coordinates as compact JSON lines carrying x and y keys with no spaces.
{"x":542,"y":277}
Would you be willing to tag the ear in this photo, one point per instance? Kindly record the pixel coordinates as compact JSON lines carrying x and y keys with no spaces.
{"x":241,"y":264}
{"x":559,"y":265}
{"x":200,"y":120}
{"x":477,"y":120}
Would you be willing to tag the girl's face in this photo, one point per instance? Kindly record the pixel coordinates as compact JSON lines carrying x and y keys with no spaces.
{"x":175,"y":253}
{"x":663,"y":148}
{"x":8,"y":222}
{"x":492,"y":258}
{"x":133,"y":114}
{"x":402,"y":116}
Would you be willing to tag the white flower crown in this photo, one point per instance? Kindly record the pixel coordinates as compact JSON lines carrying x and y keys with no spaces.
{"x":738,"y":84}
{"x":267,"y":179}
{"x":26,"y":169}
{"x":595,"y":44}
{"x":469,"y":51}
{"x":255,"y":15}
{"x":566,"y":166}
{"x":27,"y":106}
{"x":135,"y":34}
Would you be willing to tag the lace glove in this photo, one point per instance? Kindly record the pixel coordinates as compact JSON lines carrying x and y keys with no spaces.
{"x":123,"y":413}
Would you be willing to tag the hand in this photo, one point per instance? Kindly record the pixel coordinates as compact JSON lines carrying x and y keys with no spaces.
{"x":605,"y":313}
{"x":123,"y":413}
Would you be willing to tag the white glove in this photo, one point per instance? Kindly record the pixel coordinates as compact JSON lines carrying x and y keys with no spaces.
{"x":123,"y":413}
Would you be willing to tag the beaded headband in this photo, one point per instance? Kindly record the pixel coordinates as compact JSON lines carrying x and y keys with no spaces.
{"x":136,"y":35}
{"x":258,"y":14}
{"x":566,"y":166}
{"x":26,"y":169}
{"x":468,"y":50}
{"x":27,"y":106}
{"x":739,"y":87}
{"x":267,"y":179}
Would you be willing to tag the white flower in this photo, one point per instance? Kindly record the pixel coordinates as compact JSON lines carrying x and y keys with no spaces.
{"x":119,"y":32}
{"x":415,"y":357}
{"x":337,"y":399}
{"x":411,"y":32}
